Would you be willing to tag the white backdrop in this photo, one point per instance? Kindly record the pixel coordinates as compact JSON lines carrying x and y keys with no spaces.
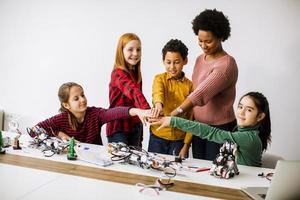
{"x":44,"y":43}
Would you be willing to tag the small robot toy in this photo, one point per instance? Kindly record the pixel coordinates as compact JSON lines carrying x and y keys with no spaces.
{"x":224,"y":166}
{"x":42,"y":141}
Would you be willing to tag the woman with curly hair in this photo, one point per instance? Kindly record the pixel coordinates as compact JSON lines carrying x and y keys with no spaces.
{"x":214,"y":78}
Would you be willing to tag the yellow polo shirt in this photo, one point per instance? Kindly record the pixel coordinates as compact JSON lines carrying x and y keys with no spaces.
{"x":171,"y":93}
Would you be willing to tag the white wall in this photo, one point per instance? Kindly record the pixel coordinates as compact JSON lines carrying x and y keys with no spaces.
{"x":44,"y":43}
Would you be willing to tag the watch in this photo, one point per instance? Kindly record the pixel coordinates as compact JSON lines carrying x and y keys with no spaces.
{"x":179,"y":110}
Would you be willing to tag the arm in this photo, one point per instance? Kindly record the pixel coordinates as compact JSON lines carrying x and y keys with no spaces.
{"x":199,"y":129}
{"x":129,"y":88}
{"x":221,"y":76}
{"x":210,"y":133}
{"x":203,"y":130}
{"x":111,"y":114}
{"x":185,"y":149}
{"x":53,"y":126}
{"x":158,"y":95}
{"x":107,"y":115}
{"x":186,"y":105}
{"x":202,"y":94}
{"x":187,"y":141}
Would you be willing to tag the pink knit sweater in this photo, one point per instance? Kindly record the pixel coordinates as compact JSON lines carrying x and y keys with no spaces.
{"x":214,"y":90}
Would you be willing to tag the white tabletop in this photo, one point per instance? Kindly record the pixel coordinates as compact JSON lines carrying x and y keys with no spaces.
{"x":25,"y":183}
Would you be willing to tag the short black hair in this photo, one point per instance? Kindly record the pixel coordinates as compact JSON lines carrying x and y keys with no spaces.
{"x":175,"y":45}
{"x":214,"y":21}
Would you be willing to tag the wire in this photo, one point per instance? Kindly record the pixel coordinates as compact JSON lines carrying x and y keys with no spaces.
{"x":116,"y":157}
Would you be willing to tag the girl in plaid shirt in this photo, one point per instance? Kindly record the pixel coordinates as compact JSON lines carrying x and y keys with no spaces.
{"x":125,"y":89}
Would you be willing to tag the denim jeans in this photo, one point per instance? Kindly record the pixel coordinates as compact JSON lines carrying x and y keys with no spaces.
{"x":204,"y":149}
{"x":163,"y":146}
{"x":133,"y":138}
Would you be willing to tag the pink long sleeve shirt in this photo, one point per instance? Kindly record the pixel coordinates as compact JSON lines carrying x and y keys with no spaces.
{"x":214,"y":90}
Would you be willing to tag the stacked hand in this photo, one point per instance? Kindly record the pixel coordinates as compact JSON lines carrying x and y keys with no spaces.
{"x":160,"y":121}
{"x":145,"y":115}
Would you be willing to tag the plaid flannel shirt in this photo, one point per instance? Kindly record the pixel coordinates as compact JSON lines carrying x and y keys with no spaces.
{"x":123,"y":91}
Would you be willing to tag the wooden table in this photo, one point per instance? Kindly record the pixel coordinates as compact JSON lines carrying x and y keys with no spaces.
{"x":120,"y":177}
{"x":186,"y":183}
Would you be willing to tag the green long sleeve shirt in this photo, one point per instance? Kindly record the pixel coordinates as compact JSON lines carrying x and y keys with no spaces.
{"x":247,"y":139}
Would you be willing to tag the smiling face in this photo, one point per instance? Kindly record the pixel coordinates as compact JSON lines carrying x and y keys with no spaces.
{"x":77,"y":102}
{"x":174,"y":63}
{"x":247,"y":113}
{"x":209,"y":43}
{"x":132,"y":53}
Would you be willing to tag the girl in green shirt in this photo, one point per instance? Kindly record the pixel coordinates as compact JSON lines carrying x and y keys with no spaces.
{"x":253,"y":133}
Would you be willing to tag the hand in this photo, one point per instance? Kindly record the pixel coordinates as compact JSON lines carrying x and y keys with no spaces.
{"x":142,"y":114}
{"x":64,"y":137}
{"x":163,"y":122}
{"x":156,"y":112}
{"x":158,"y":109}
{"x":183,"y":152}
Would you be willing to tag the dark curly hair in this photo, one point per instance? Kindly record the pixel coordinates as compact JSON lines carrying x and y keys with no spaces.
{"x":175,"y":45}
{"x":214,"y":21}
{"x":262,"y":105}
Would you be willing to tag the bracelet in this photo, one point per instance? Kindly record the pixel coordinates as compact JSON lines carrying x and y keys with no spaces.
{"x":179,"y":110}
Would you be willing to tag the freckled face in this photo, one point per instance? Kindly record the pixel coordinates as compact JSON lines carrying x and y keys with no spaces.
{"x":132,"y":52}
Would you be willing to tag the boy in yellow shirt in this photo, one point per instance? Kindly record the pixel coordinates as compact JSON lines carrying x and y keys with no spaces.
{"x":169,"y":90}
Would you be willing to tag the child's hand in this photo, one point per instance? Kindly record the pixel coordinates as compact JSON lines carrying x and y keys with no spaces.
{"x":163,"y":122}
{"x":156,"y":112}
{"x":183,"y":152}
{"x":142,"y":114}
{"x":64,"y":137}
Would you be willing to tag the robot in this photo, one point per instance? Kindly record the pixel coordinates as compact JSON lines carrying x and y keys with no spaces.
{"x":224,"y":166}
{"x":141,"y":158}
{"x":42,"y":141}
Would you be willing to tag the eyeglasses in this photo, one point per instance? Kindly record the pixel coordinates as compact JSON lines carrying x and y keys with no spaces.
{"x":162,"y":183}
{"x":159,"y":185}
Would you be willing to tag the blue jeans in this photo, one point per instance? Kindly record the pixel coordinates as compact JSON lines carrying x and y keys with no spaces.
{"x":133,"y":138}
{"x":204,"y":149}
{"x":163,"y":146}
